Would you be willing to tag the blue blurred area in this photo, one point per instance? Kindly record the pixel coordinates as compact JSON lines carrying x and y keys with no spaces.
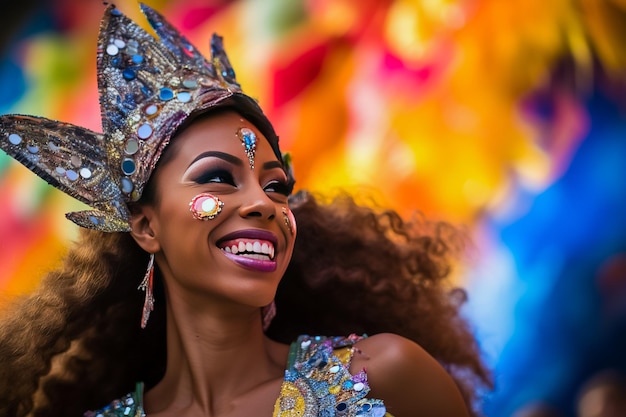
{"x":33,"y":18}
{"x":30,"y":19}
{"x":12,"y":83}
{"x":564,"y":331}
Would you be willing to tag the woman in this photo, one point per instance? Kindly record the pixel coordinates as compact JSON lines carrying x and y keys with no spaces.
{"x":188,"y":180}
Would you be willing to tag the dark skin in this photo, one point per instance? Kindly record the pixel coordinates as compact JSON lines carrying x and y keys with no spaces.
{"x":219,"y":362}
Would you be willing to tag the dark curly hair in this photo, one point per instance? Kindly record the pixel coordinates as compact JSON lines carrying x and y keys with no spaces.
{"x":75,"y":343}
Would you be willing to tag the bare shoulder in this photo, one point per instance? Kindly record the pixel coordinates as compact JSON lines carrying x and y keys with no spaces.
{"x":408,"y":379}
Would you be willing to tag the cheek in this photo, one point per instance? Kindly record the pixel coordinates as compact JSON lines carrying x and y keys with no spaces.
{"x":292,"y":219}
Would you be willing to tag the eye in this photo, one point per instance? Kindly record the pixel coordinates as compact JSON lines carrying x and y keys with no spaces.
{"x":217,"y":176}
{"x":276,"y":186}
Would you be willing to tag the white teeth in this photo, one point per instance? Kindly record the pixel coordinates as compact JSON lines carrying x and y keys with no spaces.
{"x":254,"y":249}
{"x":257,"y":256}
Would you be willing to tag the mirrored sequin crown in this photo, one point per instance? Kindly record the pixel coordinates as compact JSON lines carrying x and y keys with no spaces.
{"x":148,"y":87}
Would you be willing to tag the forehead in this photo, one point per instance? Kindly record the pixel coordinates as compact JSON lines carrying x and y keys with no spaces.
{"x":216,"y":131}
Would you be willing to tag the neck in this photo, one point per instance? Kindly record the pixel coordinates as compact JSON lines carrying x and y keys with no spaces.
{"x":215,"y":355}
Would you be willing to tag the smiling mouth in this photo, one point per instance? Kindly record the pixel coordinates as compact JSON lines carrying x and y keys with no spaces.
{"x":262,"y":250}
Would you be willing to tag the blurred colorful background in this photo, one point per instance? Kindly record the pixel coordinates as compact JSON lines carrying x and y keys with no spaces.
{"x":505,"y":117}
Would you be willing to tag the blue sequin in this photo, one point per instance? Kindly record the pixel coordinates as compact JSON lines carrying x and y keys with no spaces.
{"x":137,"y":59}
{"x":166,"y":94}
{"x":184,"y":96}
{"x":128,"y":166}
{"x":129,"y":74}
{"x":71,"y":175}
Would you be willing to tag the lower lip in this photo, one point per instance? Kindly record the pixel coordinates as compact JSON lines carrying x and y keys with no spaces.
{"x":250,"y":263}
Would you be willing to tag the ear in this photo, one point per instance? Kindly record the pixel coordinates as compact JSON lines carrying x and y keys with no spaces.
{"x":142,"y":228}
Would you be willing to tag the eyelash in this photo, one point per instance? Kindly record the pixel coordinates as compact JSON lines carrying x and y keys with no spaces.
{"x":222,"y":176}
{"x":277,"y":186}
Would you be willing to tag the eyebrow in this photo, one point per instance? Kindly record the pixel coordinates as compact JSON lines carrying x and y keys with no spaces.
{"x":272,"y":165}
{"x":232,"y":159}
{"x":221,"y":155}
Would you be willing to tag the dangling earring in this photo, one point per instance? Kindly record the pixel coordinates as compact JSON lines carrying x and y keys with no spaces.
{"x":205,"y":206}
{"x":268,"y":312}
{"x":146,"y":285}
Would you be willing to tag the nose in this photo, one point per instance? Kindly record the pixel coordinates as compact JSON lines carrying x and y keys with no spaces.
{"x":259,"y":205}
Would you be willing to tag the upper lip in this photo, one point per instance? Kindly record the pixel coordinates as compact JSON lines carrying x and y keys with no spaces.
{"x":257,"y":234}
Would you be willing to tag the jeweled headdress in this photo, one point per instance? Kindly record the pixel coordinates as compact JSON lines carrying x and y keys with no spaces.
{"x":148,"y":88}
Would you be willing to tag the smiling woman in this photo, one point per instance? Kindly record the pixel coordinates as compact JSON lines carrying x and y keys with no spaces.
{"x":255,"y":301}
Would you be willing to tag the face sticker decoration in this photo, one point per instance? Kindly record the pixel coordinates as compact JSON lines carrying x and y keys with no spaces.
{"x":290,"y":220}
{"x":205,"y":206}
{"x":248,"y":141}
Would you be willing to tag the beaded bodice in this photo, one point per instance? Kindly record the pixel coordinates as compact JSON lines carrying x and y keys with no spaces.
{"x":317,"y":383}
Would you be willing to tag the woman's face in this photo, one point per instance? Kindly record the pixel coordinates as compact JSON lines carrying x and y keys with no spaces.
{"x":204,"y":257}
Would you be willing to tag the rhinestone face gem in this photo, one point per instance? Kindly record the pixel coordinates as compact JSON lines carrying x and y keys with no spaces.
{"x":248,"y":141}
{"x":205,"y":206}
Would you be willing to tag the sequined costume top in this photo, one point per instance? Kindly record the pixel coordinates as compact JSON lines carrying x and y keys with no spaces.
{"x":317,"y":383}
